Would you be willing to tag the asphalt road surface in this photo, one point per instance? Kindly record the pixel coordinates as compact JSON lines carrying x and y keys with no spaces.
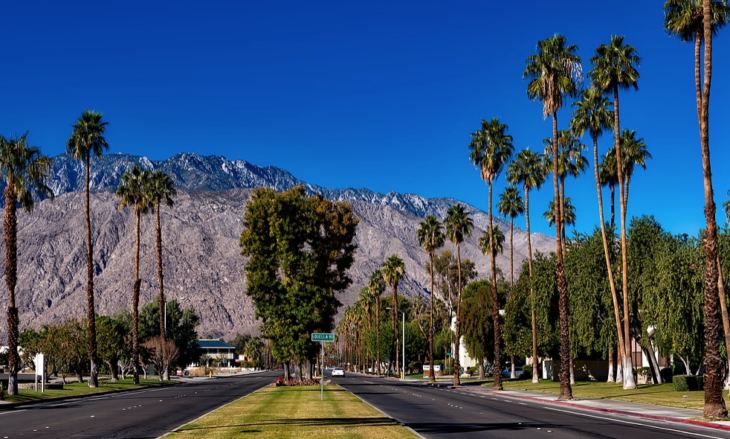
{"x":147,"y":413}
{"x":443,"y":413}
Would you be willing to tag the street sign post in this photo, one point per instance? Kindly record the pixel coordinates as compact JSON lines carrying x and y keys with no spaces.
{"x":322,"y":337}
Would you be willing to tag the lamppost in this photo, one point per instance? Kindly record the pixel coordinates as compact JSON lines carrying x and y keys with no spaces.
{"x":166,"y":301}
{"x":403,"y":343}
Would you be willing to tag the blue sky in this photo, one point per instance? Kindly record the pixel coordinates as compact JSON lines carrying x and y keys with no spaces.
{"x":376,"y":94}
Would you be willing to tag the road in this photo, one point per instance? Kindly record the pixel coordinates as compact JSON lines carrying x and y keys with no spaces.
{"x":444,"y":413}
{"x":147,"y":413}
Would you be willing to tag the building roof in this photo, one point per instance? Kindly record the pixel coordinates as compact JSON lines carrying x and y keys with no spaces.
{"x":214,"y":344}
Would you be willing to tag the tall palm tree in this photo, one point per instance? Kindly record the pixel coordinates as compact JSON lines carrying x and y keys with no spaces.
{"x":528,"y":169}
{"x":376,"y":285}
{"x":608,"y":177}
{"x":511,"y":205}
{"x":571,"y":162}
{"x":457,"y":224}
{"x":134,"y":192}
{"x":592,"y":112}
{"x":393,"y":271}
{"x":431,"y":238}
{"x":87,"y":138}
{"x":367,"y":301}
{"x":490,"y":150}
{"x":614,"y":68}
{"x":162,"y":190}
{"x":568,"y":213}
{"x":683,"y":20}
{"x":634,"y":154}
{"x":23,"y":168}
{"x":498,"y":241}
{"x":554,"y":71}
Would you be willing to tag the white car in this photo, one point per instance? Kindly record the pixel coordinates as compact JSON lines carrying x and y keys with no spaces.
{"x":338,"y":371}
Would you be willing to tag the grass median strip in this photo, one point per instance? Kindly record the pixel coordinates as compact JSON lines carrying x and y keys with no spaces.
{"x":275,"y":412}
{"x":77,"y":389}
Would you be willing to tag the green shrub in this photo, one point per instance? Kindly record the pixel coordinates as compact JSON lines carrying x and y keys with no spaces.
{"x":527,"y":370}
{"x":688,"y":383}
{"x":415,"y":366}
{"x":471,"y":370}
{"x":448,"y":371}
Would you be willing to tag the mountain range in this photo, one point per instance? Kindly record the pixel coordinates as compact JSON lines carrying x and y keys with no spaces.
{"x":201,"y":256}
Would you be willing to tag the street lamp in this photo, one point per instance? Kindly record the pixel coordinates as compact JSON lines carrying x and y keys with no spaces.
{"x":178,"y":300}
{"x":403,"y":358}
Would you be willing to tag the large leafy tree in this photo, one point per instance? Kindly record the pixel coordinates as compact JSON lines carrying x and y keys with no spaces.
{"x":24,"y":169}
{"x":615,"y":68}
{"x":299,"y":249}
{"x":134,"y":192}
{"x":477,"y":325}
{"x":457,"y":225}
{"x":592,"y":113}
{"x":554,"y":72}
{"x":490,"y":149}
{"x":699,"y":22}
{"x":87,"y":138}
{"x":162,"y":191}
{"x":430,"y":237}
{"x":393,"y":271}
{"x":528,"y":170}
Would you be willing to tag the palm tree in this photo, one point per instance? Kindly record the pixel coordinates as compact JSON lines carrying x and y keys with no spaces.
{"x":431,"y":238}
{"x":24,"y":169}
{"x":393,"y":271}
{"x":490,"y":150}
{"x":498,"y":241}
{"x":376,"y":285}
{"x":614,"y":68}
{"x":367,"y":300}
{"x":682,"y":18}
{"x":134,"y":192}
{"x":511,"y":205}
{"x":528,"y":169}
{"x":87,"y":138}
{"x":554,"y":72}
{"x":634,"y":153}
{"x":592,"y":112}
{"x":608,"y":177}
{"x":162,"y":189}
{"x":568,"y":213}
{"x":457,"y":224}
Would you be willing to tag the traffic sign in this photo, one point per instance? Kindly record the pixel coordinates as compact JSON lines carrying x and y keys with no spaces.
{"x":323,"y":336}
{"x":332,"y":356}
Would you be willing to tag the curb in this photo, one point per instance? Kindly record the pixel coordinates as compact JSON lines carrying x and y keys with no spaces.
{"x":605,"y":410}
{"x":10,"y":405}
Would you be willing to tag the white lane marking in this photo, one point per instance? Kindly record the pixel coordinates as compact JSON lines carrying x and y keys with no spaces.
{"x":633,"y":423}
{"x":14,"y":411}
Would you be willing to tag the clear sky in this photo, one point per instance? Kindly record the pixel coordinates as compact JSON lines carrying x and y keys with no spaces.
{"x":376,"y":94}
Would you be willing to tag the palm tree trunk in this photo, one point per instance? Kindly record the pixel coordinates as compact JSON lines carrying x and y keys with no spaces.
{"x":610,"y":365}
{"x":457,"y":342}
{"x":135,"y":307}
{"x":495,"y":303}
{"x":612,"y":187}
{"x":619,"y":363}
{"x":562,"y":214}
{"x":535,"y":374}
{"x":163,"y":304}
{"x":725,"y":317}
{"x":11,"y":279}
{"x":431,"y":373}
{"x":91,"y":314}
{"x":566,"y":392}
{"x":629,"y":382}
{"x":614,"y":295}
{"x":714,"y":403}
{"x":377,"y":330}
{"x":395,"y":325}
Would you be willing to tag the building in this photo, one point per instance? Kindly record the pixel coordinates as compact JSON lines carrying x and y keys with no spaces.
{"x":218,"y":351}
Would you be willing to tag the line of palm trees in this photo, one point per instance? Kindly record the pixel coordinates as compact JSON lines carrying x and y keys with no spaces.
{"x":25,"y":171}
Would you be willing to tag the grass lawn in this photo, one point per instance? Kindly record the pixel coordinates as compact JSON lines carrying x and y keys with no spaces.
{"x":275,"y":412}
{"x":663,"y":394}
{"x":74,"y":389}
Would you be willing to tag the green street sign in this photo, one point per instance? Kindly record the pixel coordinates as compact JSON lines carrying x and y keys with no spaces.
{"x":332,"y":356}
{"x":323,"y":336}
{"x":449,"y":354}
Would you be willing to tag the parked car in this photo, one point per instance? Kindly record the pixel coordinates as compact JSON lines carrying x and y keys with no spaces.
{"x":338,"y":371}
{"x":508,"y":373}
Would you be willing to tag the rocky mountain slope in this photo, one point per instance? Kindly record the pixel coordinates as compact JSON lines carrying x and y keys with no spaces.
{"x":201,"y":256}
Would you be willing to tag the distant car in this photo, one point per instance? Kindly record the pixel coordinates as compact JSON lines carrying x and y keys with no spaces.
{"x":508,"y":373}
{"x":338,"y":371}
{"x":330,"y":368}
